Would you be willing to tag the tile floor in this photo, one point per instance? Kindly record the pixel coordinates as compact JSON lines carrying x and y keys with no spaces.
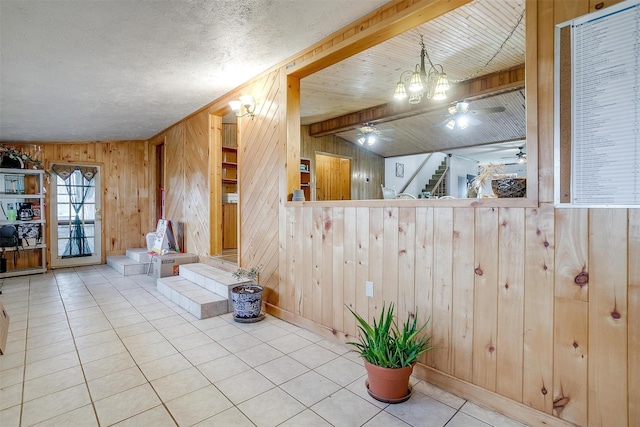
{"x":89,"y":347}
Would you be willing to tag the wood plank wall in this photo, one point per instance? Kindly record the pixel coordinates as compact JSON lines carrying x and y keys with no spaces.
{"x":364,"y":163}
{"x":125,"y":180}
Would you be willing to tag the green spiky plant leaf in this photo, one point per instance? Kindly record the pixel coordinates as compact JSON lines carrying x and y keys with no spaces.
{"x":385,"y":344}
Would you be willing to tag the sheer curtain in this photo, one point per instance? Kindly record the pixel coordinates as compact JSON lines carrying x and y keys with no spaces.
{"x":77,"y":181}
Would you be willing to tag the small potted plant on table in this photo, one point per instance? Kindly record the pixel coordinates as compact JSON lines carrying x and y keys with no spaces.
{"x":389,"y":353}
{"x":247,"y":297}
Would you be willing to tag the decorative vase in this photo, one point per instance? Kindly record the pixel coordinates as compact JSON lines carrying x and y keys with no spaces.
{"x":389,"y":385}
{"x":247,"y":301}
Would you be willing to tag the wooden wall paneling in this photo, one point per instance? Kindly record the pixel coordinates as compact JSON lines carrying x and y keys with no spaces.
{"x":511,"y":303}
{"x":608,"y":320}
{"x":309,"y":238}
{"x":485,"y":327}
{"x":424,"y":273}
{"x":219,"y":132}
{"x":349,"y":263}
{"x":376,"y":260}
{"x":327,"y":268}
{"x":317,"y":257}
{"x":338,"y":268}
{"x":570,"y":335}
{"x":362,"y":261}
{"x":634,"y":317}
{"x":291,"y":297}
{"x":174,"y":167}
{"x":443,"y":289}
{"x":390,"y":258}
{"x":538,"y":309}
{"x":463,"y":294}
{"x":196,"y":158}
{"x":406,"y":263}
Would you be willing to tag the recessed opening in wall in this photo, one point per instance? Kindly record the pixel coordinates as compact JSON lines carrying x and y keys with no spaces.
{"x":481,"y":48}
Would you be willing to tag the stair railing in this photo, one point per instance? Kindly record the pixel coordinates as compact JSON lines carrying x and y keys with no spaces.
{"x":437,"y":190}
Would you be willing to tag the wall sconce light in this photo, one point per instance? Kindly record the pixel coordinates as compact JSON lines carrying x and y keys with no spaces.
{"x":247,"y":103}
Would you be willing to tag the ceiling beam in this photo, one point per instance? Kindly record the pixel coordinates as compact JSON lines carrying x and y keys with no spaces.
{"x":469,"y":90}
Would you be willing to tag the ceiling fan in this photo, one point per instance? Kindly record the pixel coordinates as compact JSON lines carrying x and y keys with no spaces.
{"x":370,"y":134}
{"x":460,"y":116}
{"x":521,"y":156}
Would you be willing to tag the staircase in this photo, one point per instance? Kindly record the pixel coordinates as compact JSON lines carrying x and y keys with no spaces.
{"x":136,"y":261}
{"x":438,"y":174}
{"x":202,"y":290}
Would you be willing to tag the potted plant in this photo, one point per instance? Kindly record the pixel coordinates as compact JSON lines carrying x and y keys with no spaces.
{"x":247,"y":297}
{"x":389,"y":353}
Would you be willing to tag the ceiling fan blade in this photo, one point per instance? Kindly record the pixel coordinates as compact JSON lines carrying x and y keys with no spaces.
{"x":442,"y":123}
{"x":473,"y":121}
{"x":384,"y":138}
{"x":487,"y":110}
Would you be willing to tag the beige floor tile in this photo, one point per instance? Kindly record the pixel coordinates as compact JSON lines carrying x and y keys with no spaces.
{"x":341,"y":370}
{"x":310,"y":388}
{"x":164,"y":366}
{"x":90,"y":311}
{"x":306,"y":418}
{"x":143,"y":339}
{"x":101,"y":351}
{"x":260,"y":354}
{"x":290,"y":343}
{"x":10,"y":417}
{"x":88,"y":328}
{"x":132,"y":319}
{"x":126,"y":404}
{"x":222,"y":368}
{"x":161,"y":311}
{"x":137,"y":329}
{"x":488,"y":416}
{"x":97,"y":338}
{"x":198,"y":405}
{"x":53,"y":405}
{"x":463,"y":420}
{"x":313,"y":337}
{"x":239,"y":342}
{"x":115,"y":383}
{"x":84,"y":416}
{"x":224,"y":331}
{"x":45,"y":352}
{"x":187,"y":342}
{"x":167,"y":322}
{"x":385,"y":419}
{"x":180,"y":383}
{"x":156,"y":417}
{"x":42,"y":320}
{"x":269,"y":332}
{"x":271,"y":408}
{"x":11,"y":361}
{"x":205,"y":353}
{"x":48,"y":384}
{"x":49,"y":338}
{"x":313,"y":356}
{"x":438,"y":394}
{"x":10,"y":396}
{"x":11,"y":376}
{"x":244,"y":386}
{"x":282,"y":369}
{"x":152,"y":352}
{"x":60,"y":325}
{"x":51,"y":365}
{"x":210,"y":323}
{"x":336,"y":347}
{"x":179,"y":330}
{"x":422,"y":410}
{"x":344,"y":408}
{"x":359,"y":388}
{"x":108,"y":365}
{"x":15,"y":344}
{"x":232,"y":417}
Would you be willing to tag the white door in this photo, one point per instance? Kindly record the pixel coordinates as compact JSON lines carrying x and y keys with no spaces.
{"x":76,"y":218}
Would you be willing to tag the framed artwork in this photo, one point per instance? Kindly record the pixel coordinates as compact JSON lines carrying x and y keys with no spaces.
{"x":400,"y":170}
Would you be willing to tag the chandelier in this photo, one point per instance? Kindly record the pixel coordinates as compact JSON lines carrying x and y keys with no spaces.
{"x":419,"y":82}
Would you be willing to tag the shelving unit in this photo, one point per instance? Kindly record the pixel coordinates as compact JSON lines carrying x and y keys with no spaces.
{"x":24,"y":186}
{"x":229,"y":197}
{"x":305,"y":177}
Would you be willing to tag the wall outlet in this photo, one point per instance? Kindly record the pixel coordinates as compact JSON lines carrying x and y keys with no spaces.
{"x":368,"y":286}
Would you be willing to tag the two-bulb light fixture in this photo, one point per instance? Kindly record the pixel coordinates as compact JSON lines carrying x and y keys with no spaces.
{"x":420,"y":83}
{"x":244,"y":107}
{"x":368,"y":137}
{"x":460,"y":120}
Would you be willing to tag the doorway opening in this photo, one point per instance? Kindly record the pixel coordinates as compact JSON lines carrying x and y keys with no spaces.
{"x":333,"y":177}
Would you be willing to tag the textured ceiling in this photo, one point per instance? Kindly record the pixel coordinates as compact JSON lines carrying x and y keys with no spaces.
{"x":127,"y":69}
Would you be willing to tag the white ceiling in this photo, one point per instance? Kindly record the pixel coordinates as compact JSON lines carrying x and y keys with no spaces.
{"x":126,"y":69}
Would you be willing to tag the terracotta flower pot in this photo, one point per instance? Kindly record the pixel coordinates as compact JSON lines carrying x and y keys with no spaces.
{"x":389,"y":385}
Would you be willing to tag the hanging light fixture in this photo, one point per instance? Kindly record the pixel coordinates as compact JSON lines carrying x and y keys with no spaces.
{"x":420,"y":83}
{"x":368,"y":137}
{"x":245,"y":102}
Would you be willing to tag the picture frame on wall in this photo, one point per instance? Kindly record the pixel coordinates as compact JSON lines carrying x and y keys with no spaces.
{"x":400,"y":170}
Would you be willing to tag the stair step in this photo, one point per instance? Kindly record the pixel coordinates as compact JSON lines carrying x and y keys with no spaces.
{"x":195,"y":299}
{"x":211,"y":278}
{"x":139,"y":255}
{"x":127,"y":266}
